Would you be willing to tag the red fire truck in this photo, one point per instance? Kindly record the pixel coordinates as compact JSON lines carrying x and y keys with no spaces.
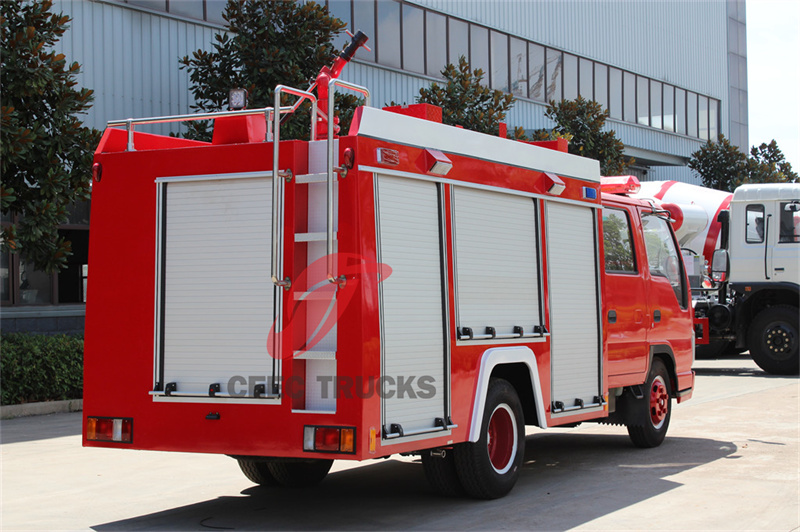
{"x":407,"y":288}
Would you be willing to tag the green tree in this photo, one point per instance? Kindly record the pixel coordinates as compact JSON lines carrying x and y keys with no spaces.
{"x":466,"y":101}
{"x":582,"y":121}
{"x":46,"y":152}
{"x":767,"y":164}
{"x":722,"y":166}
{"x":270,"y":43}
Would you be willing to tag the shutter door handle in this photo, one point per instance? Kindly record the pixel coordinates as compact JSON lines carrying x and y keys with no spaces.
{"x":612,"y":316}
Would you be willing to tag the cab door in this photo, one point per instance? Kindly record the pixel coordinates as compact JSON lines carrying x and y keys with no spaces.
{"x":625,"y":310}
{"x":667,"y":287}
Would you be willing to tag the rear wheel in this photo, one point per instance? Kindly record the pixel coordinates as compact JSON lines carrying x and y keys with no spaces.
{"x":490,"y":467}
{"x":653,"y":429}
{"x":441,"y":473}
{"x":773,"y":340}
{"x":300,"y":473}
{"x":257,"y":471}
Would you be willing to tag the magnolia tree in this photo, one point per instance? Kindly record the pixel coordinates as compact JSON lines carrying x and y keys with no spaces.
{"x":268,"y":43}
{"x":46,"y":152}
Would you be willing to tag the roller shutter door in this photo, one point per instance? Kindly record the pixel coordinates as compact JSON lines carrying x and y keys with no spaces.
{"x":574,"y":303}
{"x":411,"y":303}
{"x":218,"y":297}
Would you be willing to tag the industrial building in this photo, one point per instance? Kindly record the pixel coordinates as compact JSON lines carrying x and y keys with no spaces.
{"x":671,"y":74}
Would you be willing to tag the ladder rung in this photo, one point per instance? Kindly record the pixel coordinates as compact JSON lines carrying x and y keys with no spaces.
{"x":311,"y":178}
{"x":312,"y":237}
{"x":315,"y":355}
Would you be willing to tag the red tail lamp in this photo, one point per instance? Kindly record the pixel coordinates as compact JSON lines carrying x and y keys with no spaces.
{"x":329,"y":439}
{"x":116,"y":429}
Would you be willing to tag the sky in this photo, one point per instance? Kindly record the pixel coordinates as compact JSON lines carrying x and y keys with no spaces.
{"x":773,"y":75}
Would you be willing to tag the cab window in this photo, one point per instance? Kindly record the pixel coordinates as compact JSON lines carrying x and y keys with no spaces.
{"x":790,"y":222}
{"x":617,"y":242}
{"x":662,"y":255}
{"x":754,"y":230}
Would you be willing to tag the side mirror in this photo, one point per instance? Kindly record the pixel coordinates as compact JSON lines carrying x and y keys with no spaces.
{"x":792,"y":207}
{"x":720,"y":266}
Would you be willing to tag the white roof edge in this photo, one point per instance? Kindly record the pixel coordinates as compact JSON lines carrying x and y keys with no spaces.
{"x":766,"y":191}
{"x":402,"y":129}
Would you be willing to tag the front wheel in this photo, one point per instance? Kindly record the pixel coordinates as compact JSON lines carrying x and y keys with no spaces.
{"x":773,"y":340}
{"x":654,"y":424}
{"x":490,"y":467}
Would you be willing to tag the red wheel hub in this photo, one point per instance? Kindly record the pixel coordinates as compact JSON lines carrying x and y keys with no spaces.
{"x":501,"y":439}
{"x":659,"y":402}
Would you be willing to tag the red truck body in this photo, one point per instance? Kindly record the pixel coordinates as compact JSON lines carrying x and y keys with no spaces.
{"x":460,"y":260}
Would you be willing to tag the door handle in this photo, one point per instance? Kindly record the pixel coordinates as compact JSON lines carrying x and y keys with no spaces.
{"x":612,"y":316}
{"x":656,"y":315}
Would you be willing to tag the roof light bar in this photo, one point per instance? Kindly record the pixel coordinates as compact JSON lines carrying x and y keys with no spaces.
{"x":620,"y":184}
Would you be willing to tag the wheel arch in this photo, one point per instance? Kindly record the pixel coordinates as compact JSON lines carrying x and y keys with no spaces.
{"x":518,"y":366}
{"x":664,"y":353}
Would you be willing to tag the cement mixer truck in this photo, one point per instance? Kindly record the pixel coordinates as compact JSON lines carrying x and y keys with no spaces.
{"x":750,"y":240}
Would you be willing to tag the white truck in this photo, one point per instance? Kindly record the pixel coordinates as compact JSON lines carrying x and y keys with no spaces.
{"x":751,"y":239}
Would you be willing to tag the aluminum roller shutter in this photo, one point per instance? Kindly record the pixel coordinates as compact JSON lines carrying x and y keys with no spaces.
{"x":412,"y":302}
{"x":218,"y":295}
{"x":574,"y":311}
{"x":497,"y":281}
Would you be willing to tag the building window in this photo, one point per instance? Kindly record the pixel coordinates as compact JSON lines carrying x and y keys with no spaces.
{"x":518,"y":51}
{"x":655,"y":104}
{"x":629,"y":97}
{"x":553,"y":74}
{"x":457,"y":40}
{"x":537,"y":80}
{"x":669,"y":107}
{"x":21,"y":284}
{"x":388,"y":48}
{"x":691,"y":114}
{"x":364,"y":20}
{"x":586,"y":78}
{"x":570,"y":77}
{"x":615,"y":93}
{"x":499,"y":79}
{"x":479,"y":50}
{"x":642,"y":101}
{"x":413,"y":47}
{"x":518,"y":66}
{"x":435,"y":44}
{"x":680,"y":111}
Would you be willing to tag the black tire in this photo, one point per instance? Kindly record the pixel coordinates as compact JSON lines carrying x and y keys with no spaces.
{"x":713,"y":349}
{"x":657,"y":404}
{"x":773,"y":340}
{"x":257,"y":471}
{"x":441,"y":473}
{"x":300,"y":473}
{"x":490,"y":467}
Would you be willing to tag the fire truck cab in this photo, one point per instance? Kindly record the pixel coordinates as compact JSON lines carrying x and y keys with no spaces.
{"x":410,"y":287}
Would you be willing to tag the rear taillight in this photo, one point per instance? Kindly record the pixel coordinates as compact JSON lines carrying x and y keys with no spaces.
{"x":118,"y":429}
{"x":329,"y":439}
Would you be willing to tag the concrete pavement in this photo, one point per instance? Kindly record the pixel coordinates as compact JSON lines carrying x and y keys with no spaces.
{"x":730,"y":462}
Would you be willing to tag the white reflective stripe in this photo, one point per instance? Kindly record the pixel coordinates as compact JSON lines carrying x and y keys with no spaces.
{"x":495,"y":357}
{"x":411,"y":313}
{"x":574,"y":327}
{"x":402,"y":129}
{"x":496,"y":261}
{"x":218,"y":296}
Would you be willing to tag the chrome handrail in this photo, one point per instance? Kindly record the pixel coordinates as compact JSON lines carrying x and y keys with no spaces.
{"x":329,"y":244}
{"x":129,"y":123}
{"x":277,"y":195}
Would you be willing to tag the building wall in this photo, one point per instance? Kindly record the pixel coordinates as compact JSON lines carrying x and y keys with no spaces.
{"x":129,"y":57}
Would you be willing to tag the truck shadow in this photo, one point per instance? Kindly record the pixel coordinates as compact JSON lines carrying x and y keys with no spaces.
{"x":567,"y":480}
